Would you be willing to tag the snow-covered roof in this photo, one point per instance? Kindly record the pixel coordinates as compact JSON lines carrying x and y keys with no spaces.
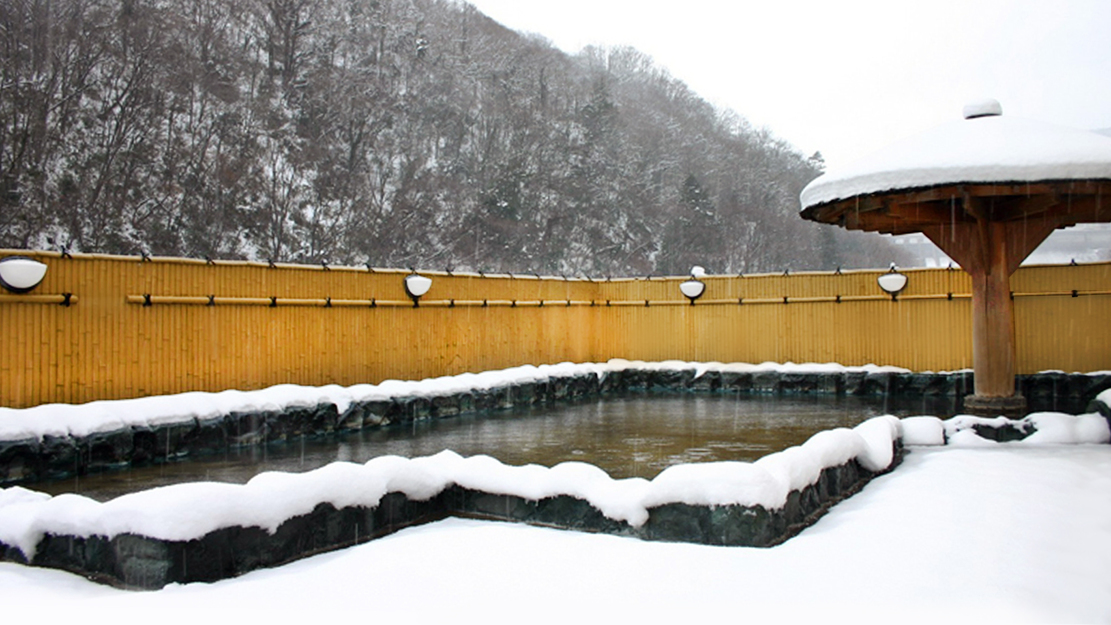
{"x":985,"y":147}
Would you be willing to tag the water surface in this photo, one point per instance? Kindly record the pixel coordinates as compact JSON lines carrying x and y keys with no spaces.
{"x":634,"y":436}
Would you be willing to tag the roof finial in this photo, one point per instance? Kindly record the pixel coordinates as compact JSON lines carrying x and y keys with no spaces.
{"x":982,"y":108}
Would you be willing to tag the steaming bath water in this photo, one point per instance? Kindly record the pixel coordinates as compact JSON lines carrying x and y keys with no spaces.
{"x":632,"y":436}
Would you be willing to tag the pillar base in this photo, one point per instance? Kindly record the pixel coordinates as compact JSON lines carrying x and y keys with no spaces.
{"x":981,"y":406}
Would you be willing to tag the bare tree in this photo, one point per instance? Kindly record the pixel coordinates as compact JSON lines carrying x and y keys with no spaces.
{"x":397,"y":132}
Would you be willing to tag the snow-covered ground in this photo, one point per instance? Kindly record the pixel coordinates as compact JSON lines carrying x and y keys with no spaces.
{"x":1003,"y":533}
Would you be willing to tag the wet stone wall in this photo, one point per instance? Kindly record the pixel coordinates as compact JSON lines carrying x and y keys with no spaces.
{"x":57,"y":457}
{"x":140,"y":562}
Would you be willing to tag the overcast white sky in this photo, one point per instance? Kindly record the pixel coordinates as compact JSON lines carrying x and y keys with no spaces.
{"x":847,"y":77}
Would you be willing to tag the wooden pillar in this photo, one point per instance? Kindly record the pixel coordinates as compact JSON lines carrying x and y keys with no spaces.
{"x":990,"y":251}
{"x":993,"y":319}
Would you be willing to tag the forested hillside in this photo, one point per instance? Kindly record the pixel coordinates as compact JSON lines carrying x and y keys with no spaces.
{"x":395,"y":132}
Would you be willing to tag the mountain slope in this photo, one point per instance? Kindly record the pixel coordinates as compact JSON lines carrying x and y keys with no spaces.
{"x":394,"y":132}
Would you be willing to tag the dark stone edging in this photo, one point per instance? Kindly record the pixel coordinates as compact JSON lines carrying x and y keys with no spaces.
{"x":139,"y":562}
{"x":57,"y":457}
{"x":1008,"y":432}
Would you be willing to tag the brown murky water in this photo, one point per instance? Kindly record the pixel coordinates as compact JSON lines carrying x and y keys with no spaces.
{"x":632,"y":436}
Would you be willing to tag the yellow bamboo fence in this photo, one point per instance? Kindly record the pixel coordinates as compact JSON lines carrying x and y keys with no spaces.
{"x":111,"y":327}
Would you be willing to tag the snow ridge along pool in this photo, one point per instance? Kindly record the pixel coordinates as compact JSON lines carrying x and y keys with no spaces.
{"x":56,"y":441}
{"x":209,"y":531}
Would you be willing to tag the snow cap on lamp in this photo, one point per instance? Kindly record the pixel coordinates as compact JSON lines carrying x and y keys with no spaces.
{"x":693,"y":288}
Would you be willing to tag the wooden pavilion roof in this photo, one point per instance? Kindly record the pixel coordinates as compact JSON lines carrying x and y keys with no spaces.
{"x":1053,"y":204}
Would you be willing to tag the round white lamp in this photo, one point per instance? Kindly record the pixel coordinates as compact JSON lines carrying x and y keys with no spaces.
{"x":416,"y":286}
{"x":694,"y":288}
{"x":892,"y":282}
{"x":20,"y":274}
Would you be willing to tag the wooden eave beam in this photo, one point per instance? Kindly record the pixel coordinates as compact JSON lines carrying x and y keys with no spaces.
{"x":926,"y":212}
{"x":888,"y":224}
{"x":909,"y":211}
{"x":833,"y":212}
{"x":904,"y":218}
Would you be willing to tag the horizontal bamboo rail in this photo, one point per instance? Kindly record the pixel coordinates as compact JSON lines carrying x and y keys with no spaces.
{"x":274,"y":302}
{"x":212,"y":300}
{"x":106,"y":327}
{"x":1076,"y":293}
{"x":62,"y":299}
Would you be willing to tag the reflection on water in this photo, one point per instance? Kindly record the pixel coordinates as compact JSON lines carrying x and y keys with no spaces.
{"x":634,"y":436}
